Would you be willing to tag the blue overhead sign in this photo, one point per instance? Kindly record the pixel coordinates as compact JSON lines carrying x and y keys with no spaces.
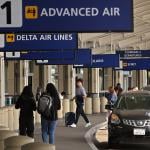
{"x":82,"y":56}
{"x":130,"y":54}
{"x":39,"y":41}
{"x":136,"y":64}
{"x":53,"y":54}
{"x":103,"y":61}
{"x":66,"y":16}
{"x":106,"y":60}
{"x":60,"y":57}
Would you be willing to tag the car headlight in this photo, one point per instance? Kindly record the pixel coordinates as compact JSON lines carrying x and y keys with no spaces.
{"x":115,"y":119}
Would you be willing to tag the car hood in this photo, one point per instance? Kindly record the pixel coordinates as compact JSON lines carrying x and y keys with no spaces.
{"x":137,"y":114}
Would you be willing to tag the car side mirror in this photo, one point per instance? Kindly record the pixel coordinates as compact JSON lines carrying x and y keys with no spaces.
{"x":109,"y":107}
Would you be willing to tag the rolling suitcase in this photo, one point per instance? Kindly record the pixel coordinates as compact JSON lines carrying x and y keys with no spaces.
{"x":69,"y":118}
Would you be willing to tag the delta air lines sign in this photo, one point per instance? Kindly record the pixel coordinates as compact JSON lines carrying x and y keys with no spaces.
{"x":37,"y":41}
{"x":66,"y":16}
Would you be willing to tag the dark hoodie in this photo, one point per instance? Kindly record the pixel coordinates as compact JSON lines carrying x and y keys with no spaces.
{"x":27,"y":105}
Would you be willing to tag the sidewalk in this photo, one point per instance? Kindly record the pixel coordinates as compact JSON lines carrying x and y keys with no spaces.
{"x":72,"y":138}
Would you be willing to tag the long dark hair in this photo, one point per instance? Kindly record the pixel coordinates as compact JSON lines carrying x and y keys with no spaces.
{"x":27,"y":91}
{"x":51,"y":89}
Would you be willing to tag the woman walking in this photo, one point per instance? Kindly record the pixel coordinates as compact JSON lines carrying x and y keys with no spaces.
{"x":49,"y":124}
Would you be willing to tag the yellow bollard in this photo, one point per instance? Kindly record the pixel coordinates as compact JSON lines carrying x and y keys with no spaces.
{"x":66,"y":106}
{"x":38,"y":146}
{"x":3,"y":128}
{"x":103,"y":104}
{"x":10,"y":118}
{"x":1,"y":117}
{"x":4,"y":134}
{"x":15,"y":142}
{"x":96,"y":105}
{"x":88,"y":105}
{"x":5,"y":109}
{"x":16,"y":119}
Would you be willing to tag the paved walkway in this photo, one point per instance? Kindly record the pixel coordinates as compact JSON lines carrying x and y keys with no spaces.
{"x":72,"y":138}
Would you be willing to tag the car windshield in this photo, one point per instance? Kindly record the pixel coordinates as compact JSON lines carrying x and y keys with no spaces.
{"x":130,"y":102}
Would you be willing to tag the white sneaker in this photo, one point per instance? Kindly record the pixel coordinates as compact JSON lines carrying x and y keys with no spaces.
{"x":88,"y":125}
{"x":73,"y":125}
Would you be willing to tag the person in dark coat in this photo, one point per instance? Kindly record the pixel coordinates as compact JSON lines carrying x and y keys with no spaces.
{"x":26,"y":103}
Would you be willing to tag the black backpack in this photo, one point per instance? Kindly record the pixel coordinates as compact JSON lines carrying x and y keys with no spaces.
{"x":45,"y":106}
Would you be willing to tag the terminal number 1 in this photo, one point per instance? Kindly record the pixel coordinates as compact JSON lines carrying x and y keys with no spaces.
{"x":7,"y":6}
{"x":11,"y":14}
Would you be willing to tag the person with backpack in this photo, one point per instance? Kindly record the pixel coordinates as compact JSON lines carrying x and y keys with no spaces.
{"x":26,"y":103}
{"x":48,"y":105}
{"x":80,"y":97}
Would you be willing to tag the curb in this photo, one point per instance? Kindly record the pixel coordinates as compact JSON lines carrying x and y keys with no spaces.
{"x":89,"y":136}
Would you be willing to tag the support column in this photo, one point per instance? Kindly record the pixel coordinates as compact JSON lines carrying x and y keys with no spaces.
{"x":46,"y":75}
{"x":21,"y":76}
{"x":10,"y":78}
{"x":73,"y":82}
{"x":68,"y":74}
{"x":35,"y":85}
{"x":134,"y":78}
{"x":101,"y":86}
{"x":26,"y":72}
{"x":108,"y":78}
{"x":143,"y":78}
{"x":91,"y":80}
{"x":118,"y":77}
{"x":86,"y":79}
{"x":2,"y":82}
{"x":49,"y":74}
{"x":95,"y":89}
{"x":35,"y":78}
{"x":61,"y":78}
{"x":94,"y":81}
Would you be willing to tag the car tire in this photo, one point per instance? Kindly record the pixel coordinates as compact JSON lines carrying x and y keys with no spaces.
{"x":112,"y":142}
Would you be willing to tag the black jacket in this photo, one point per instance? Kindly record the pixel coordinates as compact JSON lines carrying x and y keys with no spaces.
{"x":27,"y":105}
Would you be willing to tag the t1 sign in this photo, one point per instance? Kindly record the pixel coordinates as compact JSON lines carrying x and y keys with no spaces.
{"x":11,"y":13}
